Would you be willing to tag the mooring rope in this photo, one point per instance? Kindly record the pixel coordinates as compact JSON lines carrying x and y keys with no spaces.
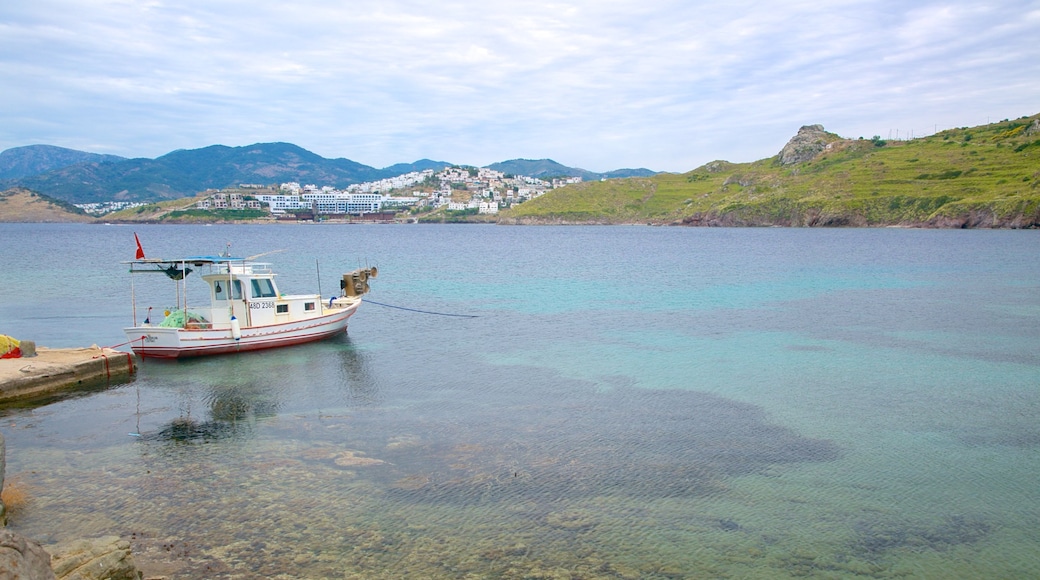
{"x":367,"y":301}
{"x":126,"y":343}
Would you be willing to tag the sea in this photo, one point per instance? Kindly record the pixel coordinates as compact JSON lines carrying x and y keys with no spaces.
{"x":551,"y":402}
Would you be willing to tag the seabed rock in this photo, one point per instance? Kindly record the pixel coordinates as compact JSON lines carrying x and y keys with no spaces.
{"x":571,"y":519}
{"x":106,"y":558}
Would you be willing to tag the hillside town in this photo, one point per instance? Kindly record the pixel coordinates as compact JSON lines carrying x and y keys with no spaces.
{"x":482,"y":190}
{"x":455,"y":189}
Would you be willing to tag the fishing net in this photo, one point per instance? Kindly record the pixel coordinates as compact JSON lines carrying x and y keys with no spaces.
{"x":9,"y":347}
{"x":181,"y":319}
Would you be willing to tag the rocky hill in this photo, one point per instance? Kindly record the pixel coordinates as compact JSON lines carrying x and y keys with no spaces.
{"x":985,"y":176}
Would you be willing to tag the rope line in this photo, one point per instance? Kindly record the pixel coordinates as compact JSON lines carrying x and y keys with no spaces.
{"x":421,"y":311}
{"x":126,"y":343}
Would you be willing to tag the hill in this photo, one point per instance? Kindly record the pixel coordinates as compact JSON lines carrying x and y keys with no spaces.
{"x":986,"y":176}
{"x":19,"y":162}
{"x":21,"y":205}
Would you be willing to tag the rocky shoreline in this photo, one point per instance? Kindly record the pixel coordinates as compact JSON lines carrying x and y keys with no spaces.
{"x":106,"y":558}
{"x":41,"y":374}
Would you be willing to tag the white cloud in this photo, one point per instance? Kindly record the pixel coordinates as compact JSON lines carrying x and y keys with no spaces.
{"x":603,"y":84}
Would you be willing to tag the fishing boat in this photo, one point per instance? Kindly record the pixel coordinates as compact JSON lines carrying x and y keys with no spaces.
{"x":242,"y":308}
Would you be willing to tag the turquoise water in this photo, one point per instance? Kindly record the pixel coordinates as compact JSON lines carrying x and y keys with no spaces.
{"x":629,"y":402}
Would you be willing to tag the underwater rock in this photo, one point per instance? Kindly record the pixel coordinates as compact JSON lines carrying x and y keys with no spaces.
{"x":351,"y":459}
{"x":106,"y":558}
{"x":21,"y":557}
{"x":412,"y":482}
{"x":571,"y":520}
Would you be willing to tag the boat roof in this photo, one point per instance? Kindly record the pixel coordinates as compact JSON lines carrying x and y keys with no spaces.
{"x":193,"y":260}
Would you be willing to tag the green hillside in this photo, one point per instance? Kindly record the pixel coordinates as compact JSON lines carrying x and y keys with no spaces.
{"x":986,"y":176}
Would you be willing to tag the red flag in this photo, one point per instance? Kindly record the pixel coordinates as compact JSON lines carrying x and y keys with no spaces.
{"x":140,"y":250}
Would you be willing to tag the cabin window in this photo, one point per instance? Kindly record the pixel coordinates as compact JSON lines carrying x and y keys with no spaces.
{"x":220,"y":290}
{"x":282,"y":308}
{"x":308,"y":306}
{"x":262,"y":288}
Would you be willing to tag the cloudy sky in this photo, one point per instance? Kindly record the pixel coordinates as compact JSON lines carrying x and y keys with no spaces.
{"x":598,"y":84}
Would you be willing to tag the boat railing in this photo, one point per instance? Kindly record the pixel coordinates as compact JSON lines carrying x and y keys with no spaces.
{"x":247,"y":268}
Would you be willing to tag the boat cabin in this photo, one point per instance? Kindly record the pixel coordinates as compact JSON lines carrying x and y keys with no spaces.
{"x":245,"y":290}
{"x":249,"y":292}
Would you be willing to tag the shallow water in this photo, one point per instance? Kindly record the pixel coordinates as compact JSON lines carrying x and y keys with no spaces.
{"x":629,"y":402}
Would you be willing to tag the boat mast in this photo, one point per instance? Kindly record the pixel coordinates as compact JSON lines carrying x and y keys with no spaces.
{"x":133,"y":295}
{"x":321,"y":301}
{"x":184,"y":285}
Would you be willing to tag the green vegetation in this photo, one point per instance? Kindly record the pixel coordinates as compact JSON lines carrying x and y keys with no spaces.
{"x":444,"y":216}
{"x":979,"y":177}
{"x":154,"y":211}
{"x":59,"y":203}
{"x":214,"y":215}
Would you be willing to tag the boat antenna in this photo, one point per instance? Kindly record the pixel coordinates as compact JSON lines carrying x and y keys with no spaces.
{"x":255,"y":256}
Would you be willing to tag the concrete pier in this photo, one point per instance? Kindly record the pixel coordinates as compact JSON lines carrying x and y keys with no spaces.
{"x":55,"y":369}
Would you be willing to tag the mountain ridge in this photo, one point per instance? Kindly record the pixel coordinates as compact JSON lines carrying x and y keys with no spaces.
{"x":80,"y":177}
{"x":19,"y":162}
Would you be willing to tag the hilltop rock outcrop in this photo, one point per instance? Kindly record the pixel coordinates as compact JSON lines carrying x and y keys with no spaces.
{"x":807,"y":144}
{"x":1034,"y":127}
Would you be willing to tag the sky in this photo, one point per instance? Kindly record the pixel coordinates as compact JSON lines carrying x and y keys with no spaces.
{"x":596,"y":84}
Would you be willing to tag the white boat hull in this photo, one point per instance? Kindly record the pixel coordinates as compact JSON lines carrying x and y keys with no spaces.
{"x":162,"y":342}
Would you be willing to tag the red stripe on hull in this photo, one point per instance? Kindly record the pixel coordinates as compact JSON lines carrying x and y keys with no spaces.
{"x":185,"y":352}
{"x":252,"y":339}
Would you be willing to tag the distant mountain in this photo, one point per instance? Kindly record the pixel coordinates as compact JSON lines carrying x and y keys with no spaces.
{"x":184,"y":173}
{"x":622,"y":173}
{"x":547,"y":168}
{"x":19,"y":162}
{"x":420,"y":165}
{"x":79,"y":177}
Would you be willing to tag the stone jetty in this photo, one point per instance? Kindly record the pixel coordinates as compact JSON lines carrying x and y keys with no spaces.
{"x":52,"y":370}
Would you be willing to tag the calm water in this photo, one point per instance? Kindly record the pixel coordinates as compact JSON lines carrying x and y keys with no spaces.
{"x":627,"y":402}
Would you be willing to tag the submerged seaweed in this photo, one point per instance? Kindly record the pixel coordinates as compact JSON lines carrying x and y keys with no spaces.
{"x":185,"y":430}
{"x":625,"y":442}
{"x":874,"y":539}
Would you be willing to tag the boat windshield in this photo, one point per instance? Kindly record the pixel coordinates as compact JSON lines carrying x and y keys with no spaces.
{"x":262,"y":288}
{"x":220,"y":290}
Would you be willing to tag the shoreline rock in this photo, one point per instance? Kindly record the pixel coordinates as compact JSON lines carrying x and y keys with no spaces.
{"x":21,"y":557}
